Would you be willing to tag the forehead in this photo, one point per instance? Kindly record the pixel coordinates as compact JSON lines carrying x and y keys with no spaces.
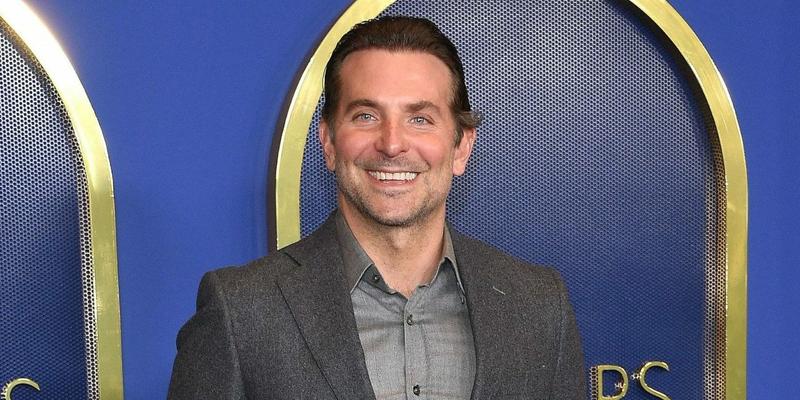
{"x":393,"y":75}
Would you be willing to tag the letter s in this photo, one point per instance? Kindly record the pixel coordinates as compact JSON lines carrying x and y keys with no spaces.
{"x":9,"y":387}
{"x":643,"y":373}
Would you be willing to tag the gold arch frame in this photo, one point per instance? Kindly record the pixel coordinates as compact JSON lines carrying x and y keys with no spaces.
{"x":42,"y":44}
{"x":286,"y":191}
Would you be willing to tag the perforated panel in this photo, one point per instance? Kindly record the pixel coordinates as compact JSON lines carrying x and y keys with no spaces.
{"x":595,"y":157}
{"x":46,"y":279}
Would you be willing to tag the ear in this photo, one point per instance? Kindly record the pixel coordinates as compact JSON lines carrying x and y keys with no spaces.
{"x":328,"y":149}
{"x":463,"y":151}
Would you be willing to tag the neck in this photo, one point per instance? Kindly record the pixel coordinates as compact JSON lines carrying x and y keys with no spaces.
{"x":406,"y":256}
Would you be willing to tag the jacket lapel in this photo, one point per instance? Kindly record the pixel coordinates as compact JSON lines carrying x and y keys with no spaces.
{"x":503,"y":328}
{"x":483,"y":306}
{"x":320,"y":303}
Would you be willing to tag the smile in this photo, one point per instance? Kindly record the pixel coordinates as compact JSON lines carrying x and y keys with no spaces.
{"x":393,"y":176}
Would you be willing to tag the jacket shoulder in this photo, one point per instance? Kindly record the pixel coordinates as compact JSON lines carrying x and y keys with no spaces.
{"x":257,"y":273}
{"x":504,"y":266}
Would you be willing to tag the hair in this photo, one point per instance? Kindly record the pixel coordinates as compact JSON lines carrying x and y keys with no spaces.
{"x":394,"y":33}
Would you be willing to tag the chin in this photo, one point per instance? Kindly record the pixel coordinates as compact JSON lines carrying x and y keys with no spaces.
{"x":398,"y":218}
{"x":396,"y":221}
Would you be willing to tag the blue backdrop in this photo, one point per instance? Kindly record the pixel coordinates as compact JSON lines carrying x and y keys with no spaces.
{"x":188,"y":97}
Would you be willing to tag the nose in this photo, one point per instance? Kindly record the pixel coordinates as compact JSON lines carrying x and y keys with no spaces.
{"x":393,"y":140}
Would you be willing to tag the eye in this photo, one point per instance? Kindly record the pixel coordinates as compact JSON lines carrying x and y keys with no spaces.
{"x":364,"y":117}
{"x":419,"y":120}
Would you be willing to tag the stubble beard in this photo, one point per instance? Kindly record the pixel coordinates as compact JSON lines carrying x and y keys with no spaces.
{"x":355,"y":195}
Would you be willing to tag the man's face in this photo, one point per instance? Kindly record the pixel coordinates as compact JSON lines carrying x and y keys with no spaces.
{"x":392,"y":141}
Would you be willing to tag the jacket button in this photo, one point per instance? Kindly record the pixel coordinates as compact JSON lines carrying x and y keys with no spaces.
{"x":415,"y":389}
{"x":410,"y":320}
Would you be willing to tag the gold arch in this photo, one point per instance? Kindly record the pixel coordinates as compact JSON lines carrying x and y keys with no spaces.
{"x":730,"y":141}
{"x":309,"y":89}
{"x":43,"y":45}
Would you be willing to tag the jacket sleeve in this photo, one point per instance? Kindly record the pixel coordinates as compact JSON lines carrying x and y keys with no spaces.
{"x":207,"y":363}
{"x":569,"y":380}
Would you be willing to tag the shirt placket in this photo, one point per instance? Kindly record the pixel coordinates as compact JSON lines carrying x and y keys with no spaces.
{"x":415,"y":351}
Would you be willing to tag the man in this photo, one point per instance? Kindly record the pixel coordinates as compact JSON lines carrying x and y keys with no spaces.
{"x":385,"y":300}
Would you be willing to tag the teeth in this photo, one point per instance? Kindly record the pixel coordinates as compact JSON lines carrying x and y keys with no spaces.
{"x":393,"y":176}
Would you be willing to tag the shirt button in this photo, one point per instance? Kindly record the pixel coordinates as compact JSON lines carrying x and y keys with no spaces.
{"x":376,"y":278}
{"x":410,"y":320}
{"x":415,"y":389}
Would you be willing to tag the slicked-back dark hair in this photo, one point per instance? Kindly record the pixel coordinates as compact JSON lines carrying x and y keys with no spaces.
{"x":401,"y":34}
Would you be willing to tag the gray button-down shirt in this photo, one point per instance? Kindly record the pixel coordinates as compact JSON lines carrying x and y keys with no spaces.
{"x":416,"y":348}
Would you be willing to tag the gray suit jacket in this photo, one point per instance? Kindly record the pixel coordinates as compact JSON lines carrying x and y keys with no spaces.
{"x":282,"y":327}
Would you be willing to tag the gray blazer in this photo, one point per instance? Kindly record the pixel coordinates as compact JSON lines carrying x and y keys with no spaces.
{"x":282,"y":327}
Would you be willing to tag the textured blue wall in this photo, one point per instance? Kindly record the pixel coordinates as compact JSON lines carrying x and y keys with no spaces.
{"x":188,"y":97}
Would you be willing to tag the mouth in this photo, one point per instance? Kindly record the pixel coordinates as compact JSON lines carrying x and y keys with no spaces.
{"x":393,"y":176}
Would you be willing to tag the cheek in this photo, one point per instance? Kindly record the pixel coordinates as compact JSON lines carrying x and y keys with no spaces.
{"x":437,"y":154}
{"x":349,"y":149}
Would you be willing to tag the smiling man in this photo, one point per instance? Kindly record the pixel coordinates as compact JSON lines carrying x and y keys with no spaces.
{"x":385,"y":300}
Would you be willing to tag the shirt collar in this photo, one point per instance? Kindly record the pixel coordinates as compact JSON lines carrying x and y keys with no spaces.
{"x":356,"y":260}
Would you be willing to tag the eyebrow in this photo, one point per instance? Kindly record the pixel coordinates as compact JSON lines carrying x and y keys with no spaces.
{"x":421,"y":105}
{"x":360,"y":103}
{"x":412,"y":107}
